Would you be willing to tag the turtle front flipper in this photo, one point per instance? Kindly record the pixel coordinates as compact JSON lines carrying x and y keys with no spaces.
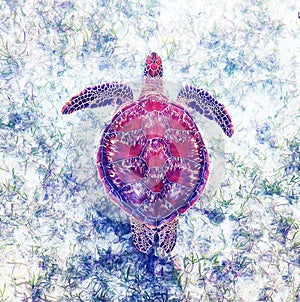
{"x":206,"y":105}
{"x":99,"y":96}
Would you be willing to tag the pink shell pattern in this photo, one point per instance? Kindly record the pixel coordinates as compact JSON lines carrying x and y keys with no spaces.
{"x":152,"y":160}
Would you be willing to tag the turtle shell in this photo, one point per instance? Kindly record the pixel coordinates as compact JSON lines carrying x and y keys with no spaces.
{"x":152,"y":160}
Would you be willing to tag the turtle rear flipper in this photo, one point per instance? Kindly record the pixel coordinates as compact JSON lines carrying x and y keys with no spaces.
{"x":105,"y":94}
{"x":206,"y":105}
{"x":167,"y":235}
{"x":144,"y":237}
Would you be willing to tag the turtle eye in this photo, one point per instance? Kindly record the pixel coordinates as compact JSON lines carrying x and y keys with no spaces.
{"x":158,"y":61}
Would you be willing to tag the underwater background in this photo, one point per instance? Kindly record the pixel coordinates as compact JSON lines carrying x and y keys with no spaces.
{"x":61,"y":238}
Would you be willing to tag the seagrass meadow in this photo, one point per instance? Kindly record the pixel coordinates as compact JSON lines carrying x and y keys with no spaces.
{"x":61,"y":238}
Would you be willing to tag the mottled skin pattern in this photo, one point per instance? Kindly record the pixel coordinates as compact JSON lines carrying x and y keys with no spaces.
{"x":207,"y":105}
{"x":152,"y":159}
{"x":98,"y":96}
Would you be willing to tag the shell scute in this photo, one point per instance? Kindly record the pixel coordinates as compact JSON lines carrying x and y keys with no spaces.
{"x":180,"y":119}
{"x":155,"y":125}
{"x":155,"y":179}
{"x":154,"y":105}
{"x":174,"y":193}
{"x":155,"y":152}
{"x":155,"y":209}
{"x":130,"y":170}
{"x":183,"y":171}
{"x":134,"y":195}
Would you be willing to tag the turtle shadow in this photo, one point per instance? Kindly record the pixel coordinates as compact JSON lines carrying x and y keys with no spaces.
{"x":126,"y":275}
{"x":142,"y":276}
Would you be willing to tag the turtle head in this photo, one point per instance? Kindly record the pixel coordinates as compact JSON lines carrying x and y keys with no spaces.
{"x":153,"y":66}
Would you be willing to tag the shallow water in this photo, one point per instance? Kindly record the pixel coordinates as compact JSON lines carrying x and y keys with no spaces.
{"x":62,"y":239}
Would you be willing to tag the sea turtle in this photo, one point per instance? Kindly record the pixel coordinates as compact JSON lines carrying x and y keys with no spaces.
{"x":152,"y":159}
